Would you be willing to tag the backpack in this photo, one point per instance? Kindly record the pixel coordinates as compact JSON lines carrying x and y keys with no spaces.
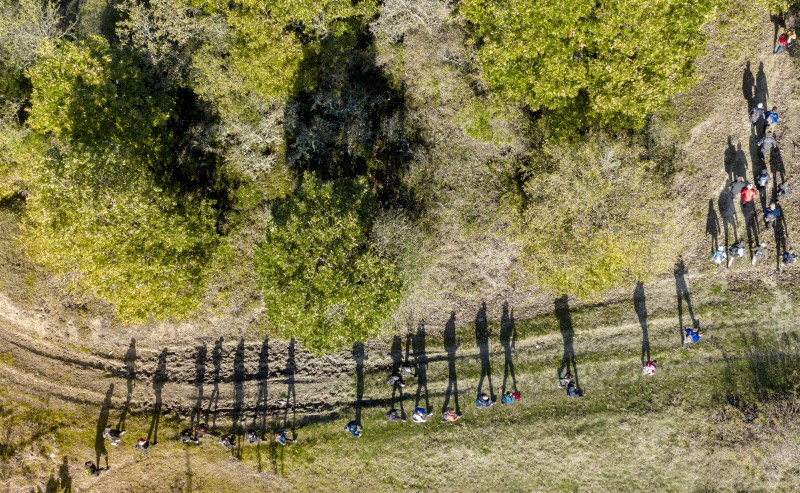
{"x":770,"y":217}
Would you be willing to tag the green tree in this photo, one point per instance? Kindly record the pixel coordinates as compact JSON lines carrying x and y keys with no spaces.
{"x":323,"y":279}
{"x":586,"y":62}
{"x":596,"y":216}
{"x":97,"y":215}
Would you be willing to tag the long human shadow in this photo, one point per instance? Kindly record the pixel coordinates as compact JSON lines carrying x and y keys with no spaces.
{"x":728,"y":214}
{"x":740,"y":162}
{"x":451,"y":345}
{"x":64,"y":477}
{"x":568,"y":364}
{"x":777,"y":168}
{"x":508,"y":339}
{"x":482,"y":334}
{"x":102,"y":422}
{"x":712,"y":225}
{"x":213,"y":401}
{"x":359,"y":356}
{"x":159,"y":379}
{"x":199,"y":382}
{"x":761,"y":90}
{"x":683,"y":294}
{"x":780,"y":229}
{"x":729,"y":160}
{"x":640,"y":306}
{"x":396,"y":353}
{"x":262,"y":376}
{"x":130,"y":367}
{"x":290,"y":373}
{"x":421,"y":367}
{"x":238,"y":377}
{"x":751,"y":227}
{"x":748,"y":85}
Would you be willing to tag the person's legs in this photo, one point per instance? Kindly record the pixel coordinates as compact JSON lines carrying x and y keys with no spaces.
{"x":777,"y":50}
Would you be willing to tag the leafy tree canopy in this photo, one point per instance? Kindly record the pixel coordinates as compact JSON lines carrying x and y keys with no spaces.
{"x":606,"y":63}
{"x":324,"y":281}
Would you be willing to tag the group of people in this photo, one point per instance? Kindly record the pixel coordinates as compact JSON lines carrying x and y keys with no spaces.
{"x":766,"y":121}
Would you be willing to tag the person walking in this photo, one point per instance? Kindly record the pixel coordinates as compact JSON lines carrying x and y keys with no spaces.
{"x":649,"y":368}
{"x":760,"y":253}
{"x":766,"y":143}
{"x":449,"y":415}
{"x":691,"y":335}
{"x":736,"y":250}
{"x":354,"y":429}
{"x":771,"y":214}
{"x":719,"y":255}
{"x":756,"y":114}
{"x":785,"y":40}
{"x":788,"y":258}
{"x":483,"y":401}
{"x":748,"y":194}
{"x":762,"y":180}
{"x":420,"y":416}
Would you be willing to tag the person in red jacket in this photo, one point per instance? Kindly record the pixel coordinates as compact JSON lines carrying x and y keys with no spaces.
{"x":748,"y":194}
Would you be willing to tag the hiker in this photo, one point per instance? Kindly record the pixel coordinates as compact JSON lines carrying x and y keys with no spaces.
{"x":785,"y":40}
{"x":483,"y":401}
{"x":113,"y":436}
{"x":420,"y":416}
{"x":393,"y":415}
{"x":691,"y":335}
{"x":572,"y":390}
{"x":748,"y":194}
{"x":756,"y":114}
{"x":406,"y":371}
{"x":760,"y":253}
{"x":783,"y":191}
{"x":143,"y":444}
{"x":252,"y":436}
{"x":91,"y":469}
{"x":187,"y":437}
{"x":564,"y":381}
{"x":201,"y":430}
{"x":770,"y":118}
{"x":509,"y":397}
{"x":719,"y":255}
{"x":227,"y":441}
{"x":771,"y":214}
{"x":737,"y":186}
{"x":649,"y":368}
{"x":762,"y":180}
{"x":396,"y":380}
{"x":354,"y":429}
{"x":767,"y":142}
{"x":450,"y":416}
{"x":280,"y":437}
{"x":735,"y":251}
{"x":789,"y":258}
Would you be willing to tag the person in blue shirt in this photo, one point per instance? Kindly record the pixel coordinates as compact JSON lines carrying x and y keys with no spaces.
{"x":483,"y":401}
{"x":281,"y":438}
{"x":770,"y":117}
{"x":771,"y":214}
{"x":573,"y":390}
{"x":789,"y":258}
{"x":354,"y":429}
{"x":691,"y":335}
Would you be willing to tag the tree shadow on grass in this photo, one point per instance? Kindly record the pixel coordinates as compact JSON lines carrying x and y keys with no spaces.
{"x":451,"y":345}
{"x":508,"y":339}
{"x":102,"y":421}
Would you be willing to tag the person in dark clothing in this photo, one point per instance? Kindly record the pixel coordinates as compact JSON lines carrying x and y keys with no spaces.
{"x":483,"y":401}
{"x":281,"y":438}
{"x":91,"y":469}
{"x":188,"y":437}
{"x":396,"y":380}
{"x":762,"y":180}
{"x":771,"y":214}
{"x":228,"y":441}
{"x":760,"y":253}
{"x":393,"y":415}
{"x":788,"y":258}
{"x":354,"y":429}
{"x":113,"y":436}
{"x":201,"y":430}
{"x":252,"y":436}
{"x":572,"y":390}
{"x":735,"y":251}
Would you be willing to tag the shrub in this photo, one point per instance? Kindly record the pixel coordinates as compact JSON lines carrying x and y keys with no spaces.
{"x":324,"y":281}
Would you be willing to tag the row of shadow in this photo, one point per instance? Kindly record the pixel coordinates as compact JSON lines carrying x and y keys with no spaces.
{"x":735,"y":161}
{"x":411,"y":352}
